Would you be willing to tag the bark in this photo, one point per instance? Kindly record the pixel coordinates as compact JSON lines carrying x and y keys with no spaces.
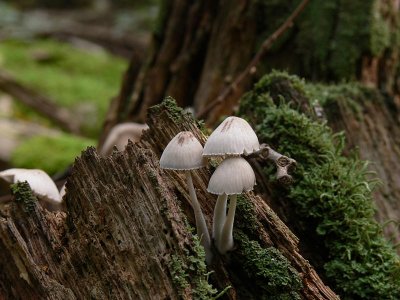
{"x":199,"y":49}
{"x":376,"y":135}
{"x":125,"y":235}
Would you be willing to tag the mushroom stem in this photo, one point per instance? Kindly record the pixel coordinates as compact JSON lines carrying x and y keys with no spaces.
{"x":219,"y":217}
{"x":201,"y":226}
{"x":226,"y":242}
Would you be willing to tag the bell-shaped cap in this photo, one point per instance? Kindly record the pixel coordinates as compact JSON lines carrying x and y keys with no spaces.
{"x":233,"y":176}
{"x":119,"y":136}
{"x":234,"y":136}
{"x":183,"y":152}
{"x":41,"y":183}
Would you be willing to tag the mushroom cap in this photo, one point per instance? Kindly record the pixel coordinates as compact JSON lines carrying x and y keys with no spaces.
{"x":234,"y":136}
{"x":183,"y":152}
{"x":119,"y":136}
{"x":233,"y":176}
{"x":41,"y":183}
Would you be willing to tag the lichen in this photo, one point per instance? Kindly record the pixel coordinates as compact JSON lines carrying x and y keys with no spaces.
{"x":331,"y":197}
{"x":24,"y":196}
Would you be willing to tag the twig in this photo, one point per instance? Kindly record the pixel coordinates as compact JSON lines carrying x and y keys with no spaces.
{"x":251,"y":67}
{"x":39,"y":103}
{"x":284,"y":164}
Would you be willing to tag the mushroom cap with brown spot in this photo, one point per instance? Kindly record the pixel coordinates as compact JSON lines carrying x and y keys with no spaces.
{"x":234,"y":136}
{"x":233,"y":176}
{"x":183,"y":152}
{"x":41,"y":184}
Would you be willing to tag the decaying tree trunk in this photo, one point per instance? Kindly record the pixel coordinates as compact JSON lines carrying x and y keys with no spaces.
{"x":375,"y":133}
{"x":199,"y":49}
{"x":125,"y":233}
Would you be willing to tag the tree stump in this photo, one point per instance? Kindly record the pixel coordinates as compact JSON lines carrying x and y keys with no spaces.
{"x":126,"y":234}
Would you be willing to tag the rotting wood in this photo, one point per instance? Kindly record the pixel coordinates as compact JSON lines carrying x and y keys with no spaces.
{"x":125,"y":220}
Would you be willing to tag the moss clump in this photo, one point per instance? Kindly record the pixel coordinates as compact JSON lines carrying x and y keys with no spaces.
{"x":176,"y":113}
{"x":23,"y":195}
{"x":270,"y":272}
{"x":51,"y":154}
{"x":331,"y":197}
{"x":190,"y":273}
{"x":267,"y":269}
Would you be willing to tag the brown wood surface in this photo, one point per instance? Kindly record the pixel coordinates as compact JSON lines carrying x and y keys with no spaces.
{"x":125,"y":219}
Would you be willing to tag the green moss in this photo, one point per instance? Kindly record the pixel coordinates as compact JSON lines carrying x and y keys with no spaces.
{"x":380,"y":35}
{"x":246,"y":216}
{"x":267,"y":269}
{"x":23,"y":195}
{"x":316,"y":28}
{"x":69,"y":76}
{"x":190,"y":273}
{"x":176,"y":113}
{"x":329,"y":38}
{"x":331,"y":196}
{"x":51,"y":154}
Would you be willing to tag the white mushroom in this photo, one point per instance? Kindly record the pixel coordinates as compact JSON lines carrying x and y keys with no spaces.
{"x":232,"y":177}
{"x":234,"y":136}
{"x":63,"y":191}
{"x":119,"y":136}
{"x":184,"y":152}
{"x":41,"y":184}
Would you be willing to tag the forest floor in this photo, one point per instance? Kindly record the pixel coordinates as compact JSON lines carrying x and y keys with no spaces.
{"x":49,"y":53}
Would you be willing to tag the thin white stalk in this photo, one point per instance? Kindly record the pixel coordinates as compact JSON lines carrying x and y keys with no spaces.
{"x":226,"y":242}
{"x":219,"y":217}
{"x":201,"y":225}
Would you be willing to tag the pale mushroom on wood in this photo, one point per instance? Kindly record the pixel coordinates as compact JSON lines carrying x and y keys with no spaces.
{"x":232,"y":177}
{"x":184,"y":153}
{"x":41,"y":184}
{"x":233,"y":137}
{"x":119,"y":136}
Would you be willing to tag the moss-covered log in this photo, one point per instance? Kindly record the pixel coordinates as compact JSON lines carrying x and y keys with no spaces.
{"x":330,"y":205}
{"x":126,"y":234}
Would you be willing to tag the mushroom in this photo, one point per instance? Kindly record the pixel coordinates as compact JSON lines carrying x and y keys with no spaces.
{"x":119,"y":136}
{"x":41,"y":184}
{"x":233,"y":137}
{"x":232,"y":177}
{"x":184,"y":153}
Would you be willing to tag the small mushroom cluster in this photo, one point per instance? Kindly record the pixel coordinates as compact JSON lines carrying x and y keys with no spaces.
{"x":232,"y":140}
